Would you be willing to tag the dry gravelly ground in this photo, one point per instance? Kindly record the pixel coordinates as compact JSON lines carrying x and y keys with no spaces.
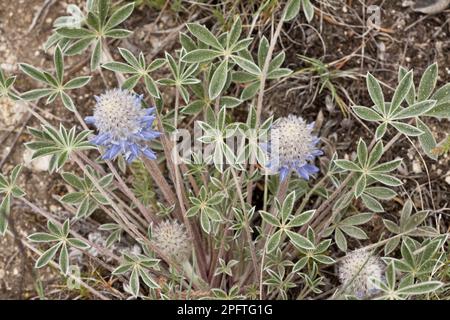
{"x":402,"y":42}
{"x":17,"y":44}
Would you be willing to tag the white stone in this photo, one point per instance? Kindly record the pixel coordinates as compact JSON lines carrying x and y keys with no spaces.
{"x":11,"y":112}
{"x":416,"y":167}
{"x":447,"y":177}
{"x":39,"y":164}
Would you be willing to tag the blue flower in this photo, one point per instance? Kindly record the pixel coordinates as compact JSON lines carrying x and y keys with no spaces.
{"x":292,"y":147}
{"x":124,"y":127}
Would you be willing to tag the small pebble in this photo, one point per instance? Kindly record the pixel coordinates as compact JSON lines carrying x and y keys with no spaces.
{"x":39,"y":164}
{"x":447,"y":177}
{"x":416,"y":167}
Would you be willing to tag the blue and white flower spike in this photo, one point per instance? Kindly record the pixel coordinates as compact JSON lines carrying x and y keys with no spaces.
{"x":292,"y":147}
{"x":124,"y":127}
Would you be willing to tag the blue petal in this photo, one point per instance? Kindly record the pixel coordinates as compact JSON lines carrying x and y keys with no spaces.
{"x":264,"y":146}
{"x":284,"y":171}
{"x":149,"y":111}
{"x":148,"y":118}
{"x":134,"y":149}
{"x":317,"y":153}
{"x":89,"y":120}
{"x":130,"y":158}
{"x":149,"y":135}
{"x":302,"y":172}
{"x":100,"y":139}
{"x":311,"y":168}
{"x":124,"y":144}
{"x":112,"y":152}
{"x":149,"y":153}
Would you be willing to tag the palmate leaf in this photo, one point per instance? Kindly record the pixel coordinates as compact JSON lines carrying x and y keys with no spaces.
{"x":204,"y":205}
{"x":86,"y":197}
{"x":139,"y":266}
{"x":314,"y":256}
{"x":413,"y":282}
{"x":55,"y":86}
{"x":101,"y":23}
{"x":366,"y":168}
{"x":6,"y":86}
{"x":183,"y":75}
{"x":347,"y":226}
{"x":409,"y":224}
{"x":59,"y":143}
{"x":138,"y":70}
{"x":230,"y":51}
{"x":60,"y":236}
{"x":8,"y":190}
{"x":252,"y":71}
{"x":285,"y":222}
{"x":426,"y":103}
{"x":391,"y":113}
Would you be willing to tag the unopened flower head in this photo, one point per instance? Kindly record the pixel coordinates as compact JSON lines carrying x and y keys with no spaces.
{"x":171,"y":238}
{"x":358,"y":271}
{"x":123,"y":125}
{"x":293,"y":147}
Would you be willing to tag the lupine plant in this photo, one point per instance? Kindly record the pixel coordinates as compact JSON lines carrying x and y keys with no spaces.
{"x":252,"y":211}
